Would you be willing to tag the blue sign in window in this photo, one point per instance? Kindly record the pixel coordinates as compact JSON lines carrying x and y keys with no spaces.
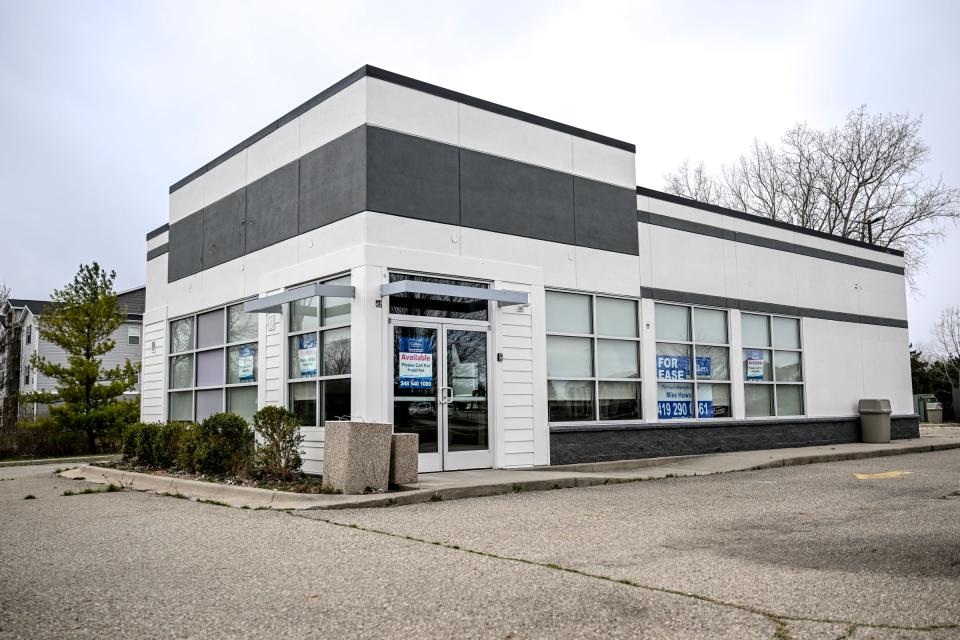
{"x":673,"y":367}
{"x":704,"y":367}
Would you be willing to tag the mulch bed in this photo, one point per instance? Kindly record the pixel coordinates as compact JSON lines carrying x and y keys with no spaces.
{"x":300,"y":483}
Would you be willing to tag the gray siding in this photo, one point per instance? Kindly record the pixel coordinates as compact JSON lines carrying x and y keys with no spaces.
{"x":403,"y":175}
{"x":28,"y":350}
{"x":272,"y":206}
{"x":333,"y":181}
{"x":412,"y":177}
{"x":133,"y":301}
{"x":121,"y":352}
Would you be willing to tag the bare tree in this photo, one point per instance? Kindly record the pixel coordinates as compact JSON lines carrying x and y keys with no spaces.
{"x":946,"y":342}
{"x":861,"y":180}
{"x":694,"y":183}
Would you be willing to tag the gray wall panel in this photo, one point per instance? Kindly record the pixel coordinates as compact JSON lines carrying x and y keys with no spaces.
{"x":186,"y":247}
{"x":605,"y":216}
{"x":520,"y":199}
{"x":412,"y":177}
{"x":333,"y":181}
{"x":157,"y":251}
{"x":161,"y":229}
{"x":272,"y":207}
{"x":223,"y":229}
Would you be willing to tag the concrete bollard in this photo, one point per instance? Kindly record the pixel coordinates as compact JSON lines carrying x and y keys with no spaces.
{"x":356,"y":456}
{"x":404,"y":454}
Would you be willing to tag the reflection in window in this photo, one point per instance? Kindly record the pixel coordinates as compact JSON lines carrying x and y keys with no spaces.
{"x":213,"y":364}
{"x":593,"y":358}
{"x":181,"y":335}
{"x":422,"y":304}
{"x":318,"y":350}
{"x":772,"y":365}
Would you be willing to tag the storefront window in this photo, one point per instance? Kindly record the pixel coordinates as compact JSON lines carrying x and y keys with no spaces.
{"x":213,"y":364}
{"x":319,"y":351}
{"x":772,"y":372}
{"x":593,"y":358}
{"x":693,"y":362}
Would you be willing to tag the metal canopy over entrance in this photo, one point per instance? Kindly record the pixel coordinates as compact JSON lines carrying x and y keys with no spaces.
{"x":274,"y":303}
{"x":502,"y":297}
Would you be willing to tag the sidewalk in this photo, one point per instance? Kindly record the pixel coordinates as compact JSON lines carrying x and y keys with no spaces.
{"x":455,"y":485}
{"x":943,"y":430}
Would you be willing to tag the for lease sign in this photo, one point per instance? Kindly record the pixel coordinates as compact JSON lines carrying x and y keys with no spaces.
{"x":673,"y":367}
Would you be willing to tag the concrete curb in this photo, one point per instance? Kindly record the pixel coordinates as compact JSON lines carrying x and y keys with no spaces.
{"x":617,"y":465}
{"x":252,"y":497}
{"x":78,"y":460}
{"x":854,"y":455}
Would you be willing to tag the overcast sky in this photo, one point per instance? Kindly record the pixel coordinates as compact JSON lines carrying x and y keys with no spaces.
{"x":103,"y":105}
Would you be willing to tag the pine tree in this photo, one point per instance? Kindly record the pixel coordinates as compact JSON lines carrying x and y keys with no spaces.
{"x":81,"y":320}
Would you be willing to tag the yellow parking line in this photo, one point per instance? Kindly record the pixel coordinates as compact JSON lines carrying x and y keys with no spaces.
{"x":881,"y":475}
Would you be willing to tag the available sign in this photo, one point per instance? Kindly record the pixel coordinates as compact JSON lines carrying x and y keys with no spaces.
{"x":307,"y":354}
{"x":245,"y":362}
{"x":415,"y":363}
{"x":754,"y":363}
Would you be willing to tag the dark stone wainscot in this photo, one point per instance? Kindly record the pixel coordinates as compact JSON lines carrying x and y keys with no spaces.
{"x":571,"y":444}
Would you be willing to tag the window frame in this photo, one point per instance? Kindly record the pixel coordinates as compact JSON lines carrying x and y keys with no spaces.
{"x":772,"y":349}
{"x":194,"y":351}
{"x":692,"y":343}
{"x":288,"y":335}
{"x":595,"y":337}
{"x":138,"y":336}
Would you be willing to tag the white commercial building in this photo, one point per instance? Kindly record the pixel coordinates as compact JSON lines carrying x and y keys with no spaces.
{"x":496,"y":282}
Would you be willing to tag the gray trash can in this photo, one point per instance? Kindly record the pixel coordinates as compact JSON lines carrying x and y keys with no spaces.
{"x":934,"y":413}
{"x":875,"y":420}
{"x":920,"y":402}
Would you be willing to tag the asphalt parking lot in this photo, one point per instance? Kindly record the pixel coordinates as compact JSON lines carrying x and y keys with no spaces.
{"x":798,"y":552}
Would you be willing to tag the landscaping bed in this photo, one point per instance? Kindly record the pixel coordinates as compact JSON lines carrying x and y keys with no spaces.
{"x":222,"y":449}
{"x":297,"y":483}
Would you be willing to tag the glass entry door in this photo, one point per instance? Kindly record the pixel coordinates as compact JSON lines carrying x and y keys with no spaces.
{"x":440,"y":392}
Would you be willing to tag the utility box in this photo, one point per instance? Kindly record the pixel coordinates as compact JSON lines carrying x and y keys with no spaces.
{"x":920,"y":402}
{"x":934,"y":413}
{"x":875,"y":420}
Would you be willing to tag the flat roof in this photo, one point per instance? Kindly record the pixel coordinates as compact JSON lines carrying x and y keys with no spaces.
{"x":369,"y":71}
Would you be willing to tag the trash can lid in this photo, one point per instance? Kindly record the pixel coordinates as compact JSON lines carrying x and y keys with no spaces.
{"x":874,"y":405}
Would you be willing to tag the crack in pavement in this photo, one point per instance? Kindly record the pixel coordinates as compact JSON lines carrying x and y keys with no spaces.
{"x":848,"y":633}
{"x":780,"y":620}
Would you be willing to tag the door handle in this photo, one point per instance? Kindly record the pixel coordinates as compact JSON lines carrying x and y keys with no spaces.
{"x":446,"y":395}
